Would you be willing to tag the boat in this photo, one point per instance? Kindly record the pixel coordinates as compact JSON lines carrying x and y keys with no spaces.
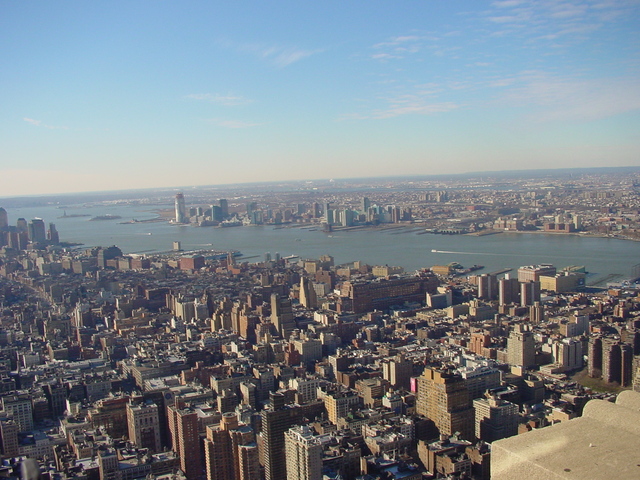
{"x":105,"y":217}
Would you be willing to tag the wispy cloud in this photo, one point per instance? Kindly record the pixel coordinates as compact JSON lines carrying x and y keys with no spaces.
{"x":38,"y":123}
{"x":233,"y":123}
{"x":558,"y":98}
{"x":401,"y":46}
{"x":228,"y":100}
{"x":423,"y":101}
{"x":277,"y":55}
{"x":553,"y":19}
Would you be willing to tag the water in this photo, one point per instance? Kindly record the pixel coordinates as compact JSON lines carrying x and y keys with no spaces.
{"x":603,"y":257}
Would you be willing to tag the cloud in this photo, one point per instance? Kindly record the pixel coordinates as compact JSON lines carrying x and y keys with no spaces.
{"x":422,"y":102}
{"x":558,"y":98}
{"x":397,"y":47}
{"x":413,"y":106}
{"x":233,"y":123}
{"x":552,"y":19}
{"x":228,"y":100}
{"x":38,"y":123}
{"x":277,"y":55}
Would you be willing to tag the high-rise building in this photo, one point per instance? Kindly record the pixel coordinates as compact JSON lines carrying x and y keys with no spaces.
{"x":22,"y":226}
{"x":521,"y":349}
{"x":143,"y":421}
{"x":397,"y":371}
{"x":303,"y":453}
{"x":529,"y":292}
{"x":181,"y":209}
{"x":224,"y":206}
{"x":508,"y":290}
{"x":487,"y":287}
{"x":495,"y":419}
{"x":282,"y":315}
{"x":276,"y":420}
{"x":9,"y":438}
{"x":225,"y":459}
{"x":37,"y":231}
{"x":20,"y":409}
{"x":308,"y":296}
{"x":52,"y":234}
{"x":4,"y":219}
{"x":185,"y":440}
{"x":444,"y":398}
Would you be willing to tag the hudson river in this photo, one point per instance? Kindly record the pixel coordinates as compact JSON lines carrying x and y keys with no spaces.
{"x":604,"y":258}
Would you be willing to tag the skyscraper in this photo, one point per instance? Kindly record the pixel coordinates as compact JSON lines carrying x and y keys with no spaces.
{"x":224,"y":206}
{"x":37,"y":231}
{"x":183,"y":425}
{"x":308,"y":296}
{"x":4,"y":219}
{"x":181,"y":209}
{"x":282,"y":315}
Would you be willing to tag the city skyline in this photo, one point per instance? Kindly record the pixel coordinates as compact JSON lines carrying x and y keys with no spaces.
{"x":118,"y":96}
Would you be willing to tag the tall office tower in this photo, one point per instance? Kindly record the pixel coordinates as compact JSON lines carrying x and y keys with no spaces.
{"x":315,"y":210}
{"x":4,"y":219}
{"x":529,"y":293}
{"x":144,"y":426}
{"x":22,"y":226}
{"x":224,"y":206}
{"x":282,"y":315}
{"x":181,"y":209}
{"x":183,"y":425}
{"x":617,"y":362}
{"x":366,"y":203}
{"x":487,"y":287}
{"x":521,"y":349}
{"x":508,"y":290}
{"x":308,"y":296}
{"x":444,"y":398}
{"x":303,"y":453}
{"x":52,"y":234}
{"x":37,"y":231}
{"x":20,"y":409}
{"x":495,"y":419}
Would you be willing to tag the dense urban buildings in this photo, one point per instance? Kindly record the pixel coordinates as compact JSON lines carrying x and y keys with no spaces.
{"x":206,"y":365}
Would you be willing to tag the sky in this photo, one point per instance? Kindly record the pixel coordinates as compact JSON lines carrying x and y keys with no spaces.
{"x":109,"y":95}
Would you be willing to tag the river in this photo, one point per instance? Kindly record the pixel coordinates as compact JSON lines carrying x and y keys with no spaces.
{"x":605,"y":258}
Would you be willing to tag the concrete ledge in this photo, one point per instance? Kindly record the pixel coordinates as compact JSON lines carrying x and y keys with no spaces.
{"x":603,"y":443}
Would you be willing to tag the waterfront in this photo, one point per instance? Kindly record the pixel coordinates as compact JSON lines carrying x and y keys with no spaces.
{"x":604,"y":258}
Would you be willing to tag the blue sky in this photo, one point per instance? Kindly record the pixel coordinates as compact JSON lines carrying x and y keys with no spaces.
{"x":105,"y":95}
